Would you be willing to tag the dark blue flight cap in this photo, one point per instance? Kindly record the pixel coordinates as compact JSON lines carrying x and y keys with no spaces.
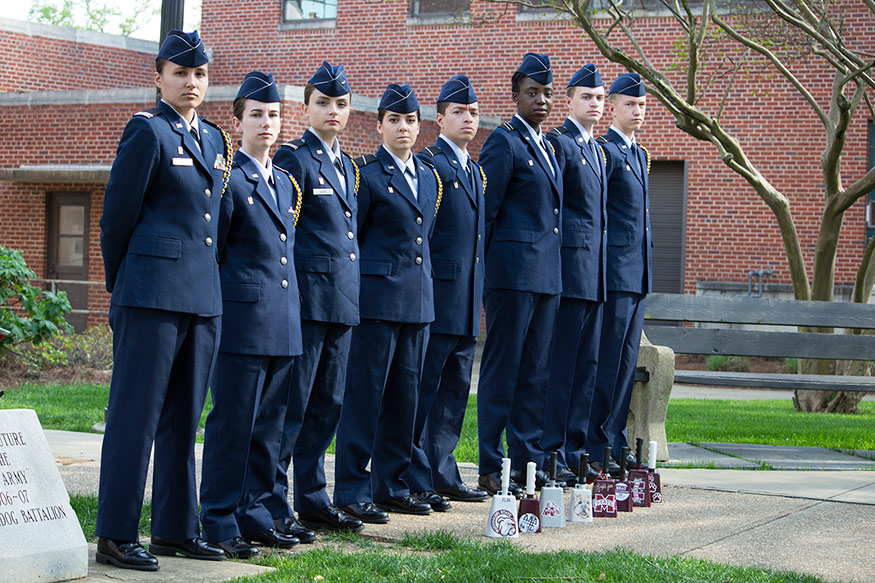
{"x":330,"y":80}
{"x":399,"y":99}
{"x":186,"y":49}
{"x":458,"y":90}
{"x":587,"y":76}
{"x":628,"y":84}
{"x":259,"y":86}
{"x":536,"y":67}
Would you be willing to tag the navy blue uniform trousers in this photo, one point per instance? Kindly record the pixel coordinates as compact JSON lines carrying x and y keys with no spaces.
{"x":311,"y":419}
{"x":622,"y":323}
{"x":379,"y":409}
{"x":161,"y":367}
{"x":519,"y":329}
{"x":572,"y":381}
{"x":241,"y":444}
{"x":443,"y":397}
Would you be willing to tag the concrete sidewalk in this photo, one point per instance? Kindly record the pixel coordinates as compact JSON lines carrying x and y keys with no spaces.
{"x":815,"y":522}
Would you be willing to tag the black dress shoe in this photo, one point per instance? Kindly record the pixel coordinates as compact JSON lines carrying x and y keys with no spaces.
{"x":519,"y":476}
{"x":631,"y":462}
{"x":437,"y":502}
{"x":491,"y":484}
{"x":591,"y":474}
{"x":565,"y":477}
{"x":462,"y":493}
{"x":127,"y":555}
{"x":405,"y":505}
{"x":193,"y":548}
{"x":331,"y":518}
{"x":292,"y":527}
{"x":366,"y":512}
{"x":613,"y":468}
{"x":272,"y":538}
{"x":237,"y":548}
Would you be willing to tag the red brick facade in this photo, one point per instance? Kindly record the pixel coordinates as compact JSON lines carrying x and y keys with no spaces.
{"x":728,"y":228}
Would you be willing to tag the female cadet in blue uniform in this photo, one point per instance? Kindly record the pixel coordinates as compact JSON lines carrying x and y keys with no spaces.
{"x":326,"y":250}
{"x":261,"y":332}
{"x":629,"y":276}
{"x":158,"y":235}
{"x":584,"y":247}
{"x":523,"y":277}
{"x":457,"y":265}
{"x":398,"y":199}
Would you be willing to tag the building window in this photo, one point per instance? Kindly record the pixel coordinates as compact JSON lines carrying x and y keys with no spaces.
{"x":297,"y":10}
{"x":439,"y":7}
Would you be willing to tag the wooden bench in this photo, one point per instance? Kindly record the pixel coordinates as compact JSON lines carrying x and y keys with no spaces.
{"x":771,"y":343}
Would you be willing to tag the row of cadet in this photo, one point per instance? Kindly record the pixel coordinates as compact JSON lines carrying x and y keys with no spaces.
{"x":318,"y":295}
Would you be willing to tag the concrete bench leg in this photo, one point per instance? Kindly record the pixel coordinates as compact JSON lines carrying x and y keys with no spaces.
{"x":649,"y":404}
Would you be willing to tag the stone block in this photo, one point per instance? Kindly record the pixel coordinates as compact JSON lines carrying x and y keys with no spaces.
{"x":649,"y":404}
{"x":40,"y":536}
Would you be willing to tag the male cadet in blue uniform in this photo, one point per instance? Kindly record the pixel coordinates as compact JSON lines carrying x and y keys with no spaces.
{"x":261,"y":332}
{"x":326,"y":252}
{"x":523,"y":277}
{"x":629,"y":275}
{"x":158,"y":237}
{"x":457,"y":265}
{"x":584,"y":247}
{"x":397,"y":202}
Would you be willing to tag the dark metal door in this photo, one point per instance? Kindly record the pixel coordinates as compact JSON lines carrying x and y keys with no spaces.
{"x":67,"y":228}
{"x":668,"y":219}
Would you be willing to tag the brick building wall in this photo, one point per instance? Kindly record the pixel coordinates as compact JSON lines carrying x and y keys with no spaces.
{"x":728,"y":228}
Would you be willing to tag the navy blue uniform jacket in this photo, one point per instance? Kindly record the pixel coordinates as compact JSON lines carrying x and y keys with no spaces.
{"x":394,"y":228}
{"x":159,"y":224}
{"x":326,"y":246}
{"x":262,"y":313}
{"x":629,"y":235}
{"x":457,"y":245}
{"x":523,"y":204}
{"x":584,"y":216}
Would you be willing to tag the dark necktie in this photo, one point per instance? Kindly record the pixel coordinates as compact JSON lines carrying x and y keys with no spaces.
{"x":636,"y":158}
{"x":472,"y":176}
{"x":594,"y":152}
{"x":194,"y":134}
{"x":339,"y":165}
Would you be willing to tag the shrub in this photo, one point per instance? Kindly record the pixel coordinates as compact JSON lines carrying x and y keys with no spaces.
{"x":29,"y":313}
{"x":792,"y":365}
{"x":727,"y":363}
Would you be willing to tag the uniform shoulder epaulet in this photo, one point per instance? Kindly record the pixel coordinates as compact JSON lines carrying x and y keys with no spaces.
{"x":283,"y":170}
{"x":432,"y":151}
{"x":365,"y":160}
{"x":149,"y":113}
{"x":428,"y":163}
{"x":294,"y":144}
{"x":558,"y":131}
{"x":604,"y":139}
{"x":507,"y":126}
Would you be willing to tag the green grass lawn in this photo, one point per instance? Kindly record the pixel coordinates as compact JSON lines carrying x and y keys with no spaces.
{"x":67,"y":407}
{"x":78,"y":407}
{"x":444,"y":556}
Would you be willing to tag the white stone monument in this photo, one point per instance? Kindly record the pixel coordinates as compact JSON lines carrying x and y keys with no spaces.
{"x":40,"y":537}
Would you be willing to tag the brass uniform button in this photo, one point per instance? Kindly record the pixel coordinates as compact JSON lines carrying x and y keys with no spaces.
{"x":208,"y":241}
{"x":352,"y":256}
{"x":285,"y":283}
{"x":418,"y":261}
{"x":283,"y":260}
{"x":282,"y":237}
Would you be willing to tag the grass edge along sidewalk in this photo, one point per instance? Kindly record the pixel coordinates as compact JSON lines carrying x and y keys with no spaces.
{"x":446,"y":557}
{"x":77,"y":407}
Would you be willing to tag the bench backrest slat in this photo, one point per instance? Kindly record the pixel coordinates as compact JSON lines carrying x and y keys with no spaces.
{"x":762,"y":343}
{"x":722,"y":309}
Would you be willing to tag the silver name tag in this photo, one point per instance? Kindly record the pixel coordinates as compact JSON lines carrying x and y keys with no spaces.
{"x":323,"y":191}
{"x":183,"y":162}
